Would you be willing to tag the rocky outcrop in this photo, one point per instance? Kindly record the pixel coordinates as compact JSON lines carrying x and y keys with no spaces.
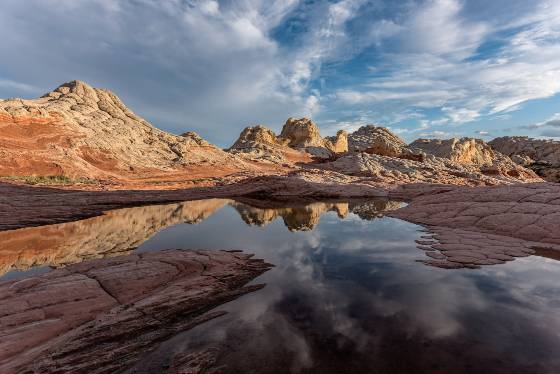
{"x":101,"y":316}
{"x":462,"y":151}
{"x":257,"y":137}
{"x":338,"y":143}
{"x":540,"y":155}
{"x":301,"y":133}
{"x":399,"y":170}
{"x":261,"y":143}
{"x":469,"y":151}
{"x":78,"y":130}
{"x":299,"y":137}
{"x":375,"y":140}
{"x":484,"y":225}
{"x":304,"y":134}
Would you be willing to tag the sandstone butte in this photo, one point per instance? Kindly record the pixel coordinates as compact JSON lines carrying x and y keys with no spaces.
{"x":480,"y":204}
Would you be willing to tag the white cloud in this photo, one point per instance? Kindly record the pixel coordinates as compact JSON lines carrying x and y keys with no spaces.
{"x":435,"y":63}
{"x":215,"y":66}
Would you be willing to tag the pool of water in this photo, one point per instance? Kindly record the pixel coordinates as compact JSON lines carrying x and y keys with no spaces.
{"x":346,"y":295}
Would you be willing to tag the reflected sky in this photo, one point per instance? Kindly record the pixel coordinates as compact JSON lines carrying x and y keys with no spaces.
{"x":346,"y":295}
{"x":349,"y":296}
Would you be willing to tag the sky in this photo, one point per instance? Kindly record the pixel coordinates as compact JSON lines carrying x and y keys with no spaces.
{"x":423,"y":68}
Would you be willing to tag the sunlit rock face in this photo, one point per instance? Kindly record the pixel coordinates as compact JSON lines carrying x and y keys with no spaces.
{"x":301,"y":133}
{"x":78,"y":130}
{"x":257,"y":137}
{"x":397,"y":170}
{"x":469,"y":151}
{"x":304,"y":134}
{"x":299,"y":137}
{"x":338,"y":143}
{"x":540,"y":155}
{"x":261,"y":143}
{"x":463,"y":151}
{"x":376,"y":140}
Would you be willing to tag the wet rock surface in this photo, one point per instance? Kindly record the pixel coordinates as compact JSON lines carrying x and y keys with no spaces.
{"x":100,"y":316}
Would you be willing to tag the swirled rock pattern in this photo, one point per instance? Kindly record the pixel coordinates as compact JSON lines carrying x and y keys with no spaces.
{"x":398,"y":170}
{"x":80,"y":131}
{"x":377,"y":140}
{"x":100,"y":316}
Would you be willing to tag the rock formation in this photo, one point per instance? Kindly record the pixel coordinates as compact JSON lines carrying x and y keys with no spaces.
{"x":484,"y":225}
{"x":261,"y":143}
{"x":301,"y":133}
{"x":304,"y":134}
{"x":375,"y":140}
{"x":469,"y":151}
{"x":78,"y":130}
{"x":400,"y":170}
{"x":462,"y":151}
{"x":540,"y":155}
{"x":299,"y":138}
{"x":338,"y":143}
{"x":101,"y":316}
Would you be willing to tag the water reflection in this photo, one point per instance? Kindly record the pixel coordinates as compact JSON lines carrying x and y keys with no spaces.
{"x":121,"y":231}
{"x":346,"y":294}
{"x":348,"y":297}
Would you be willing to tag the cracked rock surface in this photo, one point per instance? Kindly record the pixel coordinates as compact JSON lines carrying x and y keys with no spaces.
{"x":100,"y":316}
{"x":484,"y":225}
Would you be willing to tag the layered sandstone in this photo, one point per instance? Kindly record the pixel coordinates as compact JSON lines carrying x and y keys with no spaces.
{"x":80,"y":131}
{"x":401,"y":170}
{"x":376,"y":140}
{"x":338,"y":143}
{"x":540,"y":155}
{"x":101,"y":316}
{"x":261,"y":143}
{"x":462,"y":151}
{"x":304,"y":134}
{"x":469,"y":151}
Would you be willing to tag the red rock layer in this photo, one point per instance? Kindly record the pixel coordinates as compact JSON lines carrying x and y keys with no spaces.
{"x":100,"y":316}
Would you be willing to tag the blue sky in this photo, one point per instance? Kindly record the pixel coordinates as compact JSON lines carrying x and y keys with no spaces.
{"x":425,"y":68}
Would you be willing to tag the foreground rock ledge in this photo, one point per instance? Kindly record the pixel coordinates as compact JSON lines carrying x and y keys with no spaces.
{"x":484,"y":225}
{"x":100,"y":316}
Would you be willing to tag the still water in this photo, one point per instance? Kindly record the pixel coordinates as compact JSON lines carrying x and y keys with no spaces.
{"x":346,"y":295}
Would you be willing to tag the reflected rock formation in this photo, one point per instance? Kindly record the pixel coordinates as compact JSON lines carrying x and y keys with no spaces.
{"x":115,"y":233}
{"x":305,"y":216}
{"x":296,"y":218}
{"x":120,"y":231}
